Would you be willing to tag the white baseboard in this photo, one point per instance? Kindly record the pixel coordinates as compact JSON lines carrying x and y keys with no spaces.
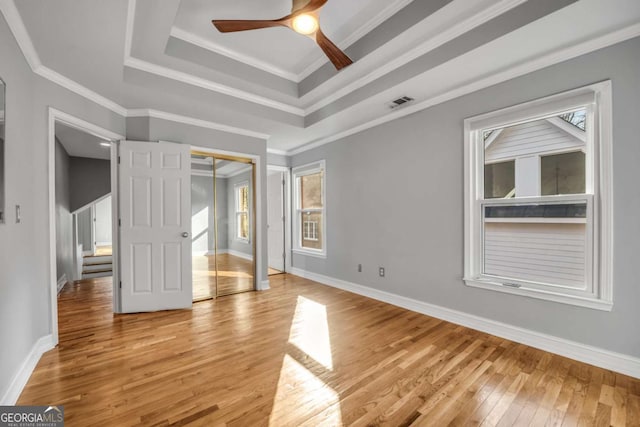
{"x":264,"y":285}
{"x":12,"y":393}
{"x":104,"y":243}
{"x":239,"y":254}
{"x":61,"y":282}
{"x":602,"y":358}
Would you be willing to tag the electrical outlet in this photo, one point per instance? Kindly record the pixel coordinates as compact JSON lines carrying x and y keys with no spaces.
{"x":359,"y":268}
{"x":381,"y":271}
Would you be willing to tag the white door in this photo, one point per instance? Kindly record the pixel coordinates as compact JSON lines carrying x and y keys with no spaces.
{"x":155,"y":215}
{"x":275,"y":220}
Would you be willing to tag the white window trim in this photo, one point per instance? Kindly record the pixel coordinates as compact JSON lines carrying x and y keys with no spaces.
{"x":236,"y":188}
{"x":297,"y":172}
{"x":599,"y":99}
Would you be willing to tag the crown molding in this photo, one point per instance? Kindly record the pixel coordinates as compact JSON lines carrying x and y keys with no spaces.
{"x":195,"y":122}
{"x":13,"y":18}
{"x":426,"y":46}
{"x":79,"y":89}
{"x":277,"y":152}
{"x":196,"y":40}
{"x":535,"y":64}
{"x":128,"y":32}
{"x":190,"y":79}
{"x":386,"y":13}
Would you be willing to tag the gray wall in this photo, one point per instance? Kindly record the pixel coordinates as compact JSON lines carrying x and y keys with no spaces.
{"x":151,"y":129}
{"x":90,"y":179}
{"x":233,"y":243}
{"x":201,"y":198}
{"x":373,"y":176}
{"x":64,"y":220}
{"x":25,"y":282}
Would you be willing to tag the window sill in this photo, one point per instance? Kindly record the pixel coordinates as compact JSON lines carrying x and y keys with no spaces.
{"x":244,"y":241}
{"x":316,"y":254}
{"x":593,"y":303}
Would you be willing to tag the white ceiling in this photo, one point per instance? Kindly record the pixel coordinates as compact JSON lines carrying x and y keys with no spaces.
{"x":81,"y":144}
{"x":164,"y":56}
{"x":281,"y":48}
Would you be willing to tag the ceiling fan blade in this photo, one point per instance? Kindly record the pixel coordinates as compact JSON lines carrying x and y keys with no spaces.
{"x":333,"y":52}
{"x":306,"y":6}
{"x":229,"y":26}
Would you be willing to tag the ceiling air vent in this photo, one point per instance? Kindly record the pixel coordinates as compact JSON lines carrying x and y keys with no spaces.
{"x":400,"y":102}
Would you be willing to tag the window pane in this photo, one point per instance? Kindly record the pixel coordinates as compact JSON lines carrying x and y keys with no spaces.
{"x":499,"y":180}
{"x":243,"y":225}
{"x":544,"y":243}
{"x":521,"y":160}
{"x":311,"y":191}
{"x":243,"y":199}
{"x":563,"y":174}
{"x":311,"y":230}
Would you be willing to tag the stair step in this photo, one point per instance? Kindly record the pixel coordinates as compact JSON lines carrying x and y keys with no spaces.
{"x":97,"y":267}
{"x":102,"y":270}
{"x":88,"y":260}
{"x":94,"y":275}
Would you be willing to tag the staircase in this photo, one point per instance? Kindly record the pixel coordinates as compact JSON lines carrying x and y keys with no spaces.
{"x":97,"y":266}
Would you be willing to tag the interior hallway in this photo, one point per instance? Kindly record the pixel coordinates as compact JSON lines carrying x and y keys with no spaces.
{"x":307,"y":354}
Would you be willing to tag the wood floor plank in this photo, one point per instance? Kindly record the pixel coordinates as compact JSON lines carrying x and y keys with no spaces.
{"x":303,"y":354}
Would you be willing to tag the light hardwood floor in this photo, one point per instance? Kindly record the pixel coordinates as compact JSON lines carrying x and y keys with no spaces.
{"x":306,"y":354}
{"x":235,"y":275}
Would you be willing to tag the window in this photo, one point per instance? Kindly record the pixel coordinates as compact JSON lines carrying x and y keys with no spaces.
{"x":309,"y":224}
{"x":538,"y":199}
{"x":242,"y":211}
{"x":310,"y":231}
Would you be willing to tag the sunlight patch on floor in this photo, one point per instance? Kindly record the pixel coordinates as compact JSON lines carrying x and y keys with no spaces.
{"x":299,"y":388}
{"x":310,"y":331}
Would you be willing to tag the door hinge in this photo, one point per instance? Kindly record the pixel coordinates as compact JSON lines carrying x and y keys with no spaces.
{"x":119,"y":222}
{"x":120,"y":284}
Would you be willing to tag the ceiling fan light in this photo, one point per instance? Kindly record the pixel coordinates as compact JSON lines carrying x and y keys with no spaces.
{"x":305,"y":24}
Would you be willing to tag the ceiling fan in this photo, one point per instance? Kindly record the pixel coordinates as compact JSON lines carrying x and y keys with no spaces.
{"x":303,"y":19}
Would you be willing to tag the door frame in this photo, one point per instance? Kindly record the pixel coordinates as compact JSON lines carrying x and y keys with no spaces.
{"x":92,"y":129}
{"x":287,"y":214}
{"x":262,"y":281}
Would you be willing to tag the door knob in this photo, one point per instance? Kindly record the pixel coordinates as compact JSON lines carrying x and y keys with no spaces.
{"x":185,"y":234}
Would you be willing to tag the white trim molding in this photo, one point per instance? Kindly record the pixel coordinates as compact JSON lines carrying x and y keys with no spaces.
{"x":61,"y":282}
{"x":264,"y":285}
{"x":20,"y":378}
{"x":622,"y":363}
{"x":163,"y":115}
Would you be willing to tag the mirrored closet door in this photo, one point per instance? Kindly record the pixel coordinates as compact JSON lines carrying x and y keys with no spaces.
{"x":223,"y":218}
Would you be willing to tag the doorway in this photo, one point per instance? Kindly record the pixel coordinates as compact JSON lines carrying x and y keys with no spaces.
{"x":277,"y":218}
{"x":223,"y":225}
{"x":81,"y":171}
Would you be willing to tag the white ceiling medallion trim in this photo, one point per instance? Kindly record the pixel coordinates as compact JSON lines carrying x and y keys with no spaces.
{"x":14,"y":20}
{"x":393,"y":8}
{"x":528,"y":67}
{"x":196,"y":40}
{"x":195,"y":122}
{"x":180,"y":76}
{"x":453,"y":32}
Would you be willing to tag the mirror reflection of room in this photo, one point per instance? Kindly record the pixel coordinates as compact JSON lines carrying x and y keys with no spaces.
{"x":222,"y":227}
